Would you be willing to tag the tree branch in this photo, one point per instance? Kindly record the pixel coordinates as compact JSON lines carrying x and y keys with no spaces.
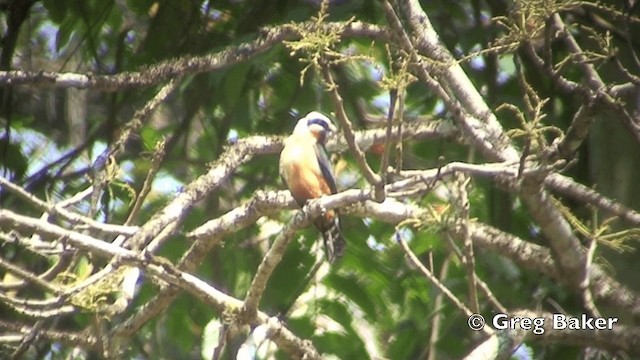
{"x":162,"y":72}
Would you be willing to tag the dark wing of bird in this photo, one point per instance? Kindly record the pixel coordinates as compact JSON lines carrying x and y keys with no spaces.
{"x":325,"y":167}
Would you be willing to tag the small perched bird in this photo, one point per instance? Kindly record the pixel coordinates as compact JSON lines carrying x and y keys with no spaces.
{"x":306,"y":170}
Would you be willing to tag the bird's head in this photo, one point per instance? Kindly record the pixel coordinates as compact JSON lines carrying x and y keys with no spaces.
{"x":319,"y":125}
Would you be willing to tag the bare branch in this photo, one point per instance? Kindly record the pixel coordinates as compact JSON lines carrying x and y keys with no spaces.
{"x":238,"y":154}
{"x":271,"y":260}
{"x":286,"y":340}
{"x":28,"y":276}
{"x":66,"y":214}
{"x":310,"y":211}
{"x":596,"y":86}
{"x":373,"y":178}
{"x":75,"y":339}
{"x":434,"y":280}
{"x":481,"y":124}
{"x":189,"y":65}
{"x":208,"y":235}
{"x":567,"y":187}
{"x":462,"y":209}
{"x":85,"y":242}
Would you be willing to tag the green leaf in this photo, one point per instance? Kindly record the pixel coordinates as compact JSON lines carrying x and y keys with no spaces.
{"x":12,"y":158}
{"x":57,"y":9}
{"x":150,"y":137}
{"x":233,"y":84}
{"x":345,"y":346}
{"x":179,"y":325}
{"x":289,"y":279}
{"x":66,"y":30}
{"x":424,"y":241}
{"x":350,"y":287}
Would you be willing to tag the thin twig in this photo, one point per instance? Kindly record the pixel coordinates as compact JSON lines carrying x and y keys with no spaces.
{"x":158,"y":156}
{"x":28,"y":276}
{"x":462,"y":206}
{"x":27,"y":340}
{"x":434,"y":280}
{"x":66,"y":214}
{"x":393,"y":102}
{"x":434,"y":337}
{"x":585,"y":287}
{"x":400,"y":120}
{"x":349,"y":135}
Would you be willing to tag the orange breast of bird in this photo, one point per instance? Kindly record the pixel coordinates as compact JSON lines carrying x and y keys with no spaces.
{"x":299,"y":168}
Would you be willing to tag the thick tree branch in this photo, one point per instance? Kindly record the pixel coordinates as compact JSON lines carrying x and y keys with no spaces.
{"x":526,"y":254}
{"x":240,"y":153}
{"x":446,"y":67}
{"x":162,"y":72}
{"x":597,"y":87}
{"x":284,"y":338}
{"x":36,"y":297}
{"x":531,"y":256}
{"x":568,"y":187}
{"x":565,"y":246}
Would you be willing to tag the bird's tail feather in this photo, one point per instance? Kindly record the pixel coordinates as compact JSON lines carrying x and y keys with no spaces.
{"x":334,"y":242}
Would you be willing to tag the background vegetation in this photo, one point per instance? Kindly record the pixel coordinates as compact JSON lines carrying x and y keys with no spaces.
{"x":487,"y":162}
